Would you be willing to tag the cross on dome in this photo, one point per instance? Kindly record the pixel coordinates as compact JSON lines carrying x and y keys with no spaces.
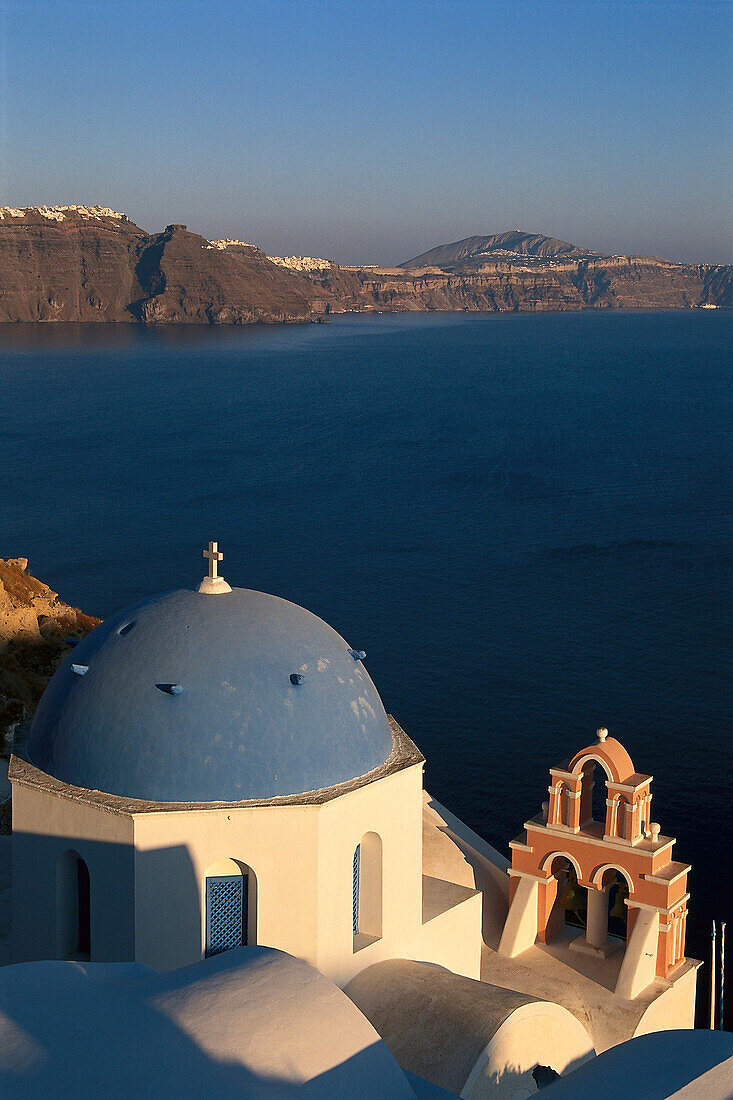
{"x":213,"y":584}
{"x":214,"y":555}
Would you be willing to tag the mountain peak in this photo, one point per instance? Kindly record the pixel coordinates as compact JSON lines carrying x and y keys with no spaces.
{"x":514,"y":245}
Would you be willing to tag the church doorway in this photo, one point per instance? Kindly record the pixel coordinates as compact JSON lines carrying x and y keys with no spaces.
{"x":73,"y":907}
{"x":231,"y":907}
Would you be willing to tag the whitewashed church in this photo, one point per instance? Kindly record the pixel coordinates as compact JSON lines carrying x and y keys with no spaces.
{"x":213,"y":770}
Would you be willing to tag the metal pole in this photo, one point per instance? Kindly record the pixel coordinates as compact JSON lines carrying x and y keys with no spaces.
{"x":712,"y":979}
{"x":722,"y":972}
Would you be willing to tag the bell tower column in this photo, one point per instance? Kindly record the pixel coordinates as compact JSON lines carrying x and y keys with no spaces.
{"x":612,"y":817}
{"x":596,"y":933}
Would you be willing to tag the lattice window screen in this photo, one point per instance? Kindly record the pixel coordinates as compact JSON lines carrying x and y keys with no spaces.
{"x":225,"y":913}
{"x":355,"y":893}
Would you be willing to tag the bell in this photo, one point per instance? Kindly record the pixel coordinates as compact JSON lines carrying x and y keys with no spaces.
{"x":574,"y":898}
{"x":619,"y":909}
{"x":565,"y":896}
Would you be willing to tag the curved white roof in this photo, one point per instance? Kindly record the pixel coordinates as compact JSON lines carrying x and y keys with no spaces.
{"x":252,"y":1022}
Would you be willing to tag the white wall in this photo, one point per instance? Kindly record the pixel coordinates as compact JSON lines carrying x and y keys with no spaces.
{"x":45,"y":825}
{"x":674,"y":1008}
{"x":148,"y":879}
{"x":175,"y":849}
{"x":392,"y":808}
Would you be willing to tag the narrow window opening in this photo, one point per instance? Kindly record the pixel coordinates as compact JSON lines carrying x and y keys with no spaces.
{"x":366,"y":907}
{"x":563,"y":805}
{"x":355,"y":893}
{"x":621,"y":822}
{"x":83,"y":899}
{"x":73,"y":907}
{"x":593,"y":794}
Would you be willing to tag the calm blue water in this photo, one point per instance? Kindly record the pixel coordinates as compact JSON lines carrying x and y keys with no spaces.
{"x":524,"y":520}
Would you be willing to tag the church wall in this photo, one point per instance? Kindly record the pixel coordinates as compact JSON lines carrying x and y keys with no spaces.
{"x":453,"y":852}
{"x":45,"y":826}
{"x":452,"y":939}
{"x":391,"y":807}
{"x":173,"y":852}
{"x":673,"y":1009}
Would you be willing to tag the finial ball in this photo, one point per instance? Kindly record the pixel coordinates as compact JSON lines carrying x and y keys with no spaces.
{"x":654,"y":831}
{"x":602,"y":733}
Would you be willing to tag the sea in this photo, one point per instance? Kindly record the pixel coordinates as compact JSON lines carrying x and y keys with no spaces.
{"x":524,"y":519}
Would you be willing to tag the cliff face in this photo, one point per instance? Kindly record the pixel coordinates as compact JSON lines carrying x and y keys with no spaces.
{"x":80,"y":268}
{"x":613,"y":283}
{"x":187,"y":279}
{"x":93,"y":264}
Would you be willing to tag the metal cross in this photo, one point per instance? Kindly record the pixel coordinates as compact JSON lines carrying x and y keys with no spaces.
{"x":214,"y":555}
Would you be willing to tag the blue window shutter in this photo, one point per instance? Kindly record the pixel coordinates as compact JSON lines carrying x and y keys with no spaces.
{"x":226,"y":913}
{"x":245,"y":908}
{"x":355,"y":893}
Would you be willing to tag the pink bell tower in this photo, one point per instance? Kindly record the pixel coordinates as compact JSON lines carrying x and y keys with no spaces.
{"x":565,"y":847}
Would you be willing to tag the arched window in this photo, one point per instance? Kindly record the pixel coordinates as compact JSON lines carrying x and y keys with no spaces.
{"x":612,"y":913}
{"x":593,"y":793}
{"x":622,"y":816}
{"x":563,"y":804}
{"x":618,"y":913}
{"x":73,"y":907}
{"x":366,"y":909}
{"x":569,"y":898}
{"x":231,"y":906}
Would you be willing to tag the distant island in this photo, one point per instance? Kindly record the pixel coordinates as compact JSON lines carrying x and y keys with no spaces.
{"x":90,"y":263}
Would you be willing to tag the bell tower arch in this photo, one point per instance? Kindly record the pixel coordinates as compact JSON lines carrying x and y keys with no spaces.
{"x":616,"y":856}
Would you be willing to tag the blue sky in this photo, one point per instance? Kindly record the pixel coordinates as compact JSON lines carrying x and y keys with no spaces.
{"x":371,"y":131}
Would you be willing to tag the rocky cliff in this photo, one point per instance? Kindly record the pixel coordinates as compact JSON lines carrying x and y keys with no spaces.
{"x":517,"y":271}
{"x":185,"y":278}
{"x":37,"y":630}
{"x":78,"y":263}
{"x":615,"y":283}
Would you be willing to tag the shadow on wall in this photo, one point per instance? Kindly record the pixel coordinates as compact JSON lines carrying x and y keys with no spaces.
{"x":80,"y":898}
{"x":485,"y":874}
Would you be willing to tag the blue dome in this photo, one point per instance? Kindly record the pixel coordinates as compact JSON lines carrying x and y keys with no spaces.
{"x":192,"y":697}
